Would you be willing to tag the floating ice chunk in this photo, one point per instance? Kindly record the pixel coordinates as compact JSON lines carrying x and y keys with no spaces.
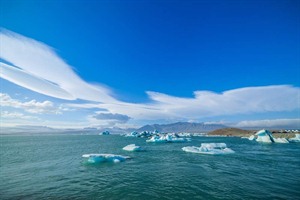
{"x":141,"y":134}
{"x":264,"y":136}
{"x":296,"y":138}
{"x":104,"y":133}
{"x":252,"y":137}
{"x":267,"y":137}
{"x":280,"y":140}
{"x":157,"y":138}
{"x":132,"y":147}
{"x":132,"y":134}
{"x":100,"y":158}
{"x":209,"y":148}
{"x":168,"y":138}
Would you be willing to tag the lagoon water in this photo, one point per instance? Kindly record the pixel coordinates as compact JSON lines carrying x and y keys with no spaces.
{"x":51,"y":167}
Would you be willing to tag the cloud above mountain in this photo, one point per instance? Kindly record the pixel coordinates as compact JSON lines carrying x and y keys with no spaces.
{"x":113,"y":117}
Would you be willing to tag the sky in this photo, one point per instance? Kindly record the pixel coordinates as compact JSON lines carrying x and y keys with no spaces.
{"x":74,"y":64}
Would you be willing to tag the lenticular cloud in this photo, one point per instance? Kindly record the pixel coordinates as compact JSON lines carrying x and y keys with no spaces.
{"x":40,"y":69}
{"x":33,"y":82}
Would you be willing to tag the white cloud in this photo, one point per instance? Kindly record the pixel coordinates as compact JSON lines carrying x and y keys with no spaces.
{"x":33,"y":106}
{"x":247,"y":100}
{"x":270,"y":123}
{"x":15,"y":115}
{"x":110,"y":116}
{"x":43,"y":71}
{"x":32,"y":82}
{"x":36,"y":66}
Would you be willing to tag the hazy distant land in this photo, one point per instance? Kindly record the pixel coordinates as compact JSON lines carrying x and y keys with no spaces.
{"x":179,"y":127}
{"x":246,"y":133}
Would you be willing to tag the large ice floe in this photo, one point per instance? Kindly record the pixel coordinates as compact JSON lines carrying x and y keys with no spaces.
{"x":169,"y":137}
{"x":296,"y":138}
{"x":132,"y":147}
{"x":266,"y":136}
{"x":209,"y":148}
{"x":100,"y":158}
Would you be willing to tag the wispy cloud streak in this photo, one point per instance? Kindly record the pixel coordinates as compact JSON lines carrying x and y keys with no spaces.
{"x":39,"y":64}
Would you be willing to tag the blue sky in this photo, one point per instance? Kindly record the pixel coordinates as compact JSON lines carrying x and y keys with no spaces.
{"x":152,"y":62}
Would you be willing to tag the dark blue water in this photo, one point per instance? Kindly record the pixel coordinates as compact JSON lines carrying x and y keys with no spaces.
{"x":51,"y":167}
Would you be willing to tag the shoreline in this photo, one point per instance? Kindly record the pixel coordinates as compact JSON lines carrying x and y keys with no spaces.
{"x":235,"y":132}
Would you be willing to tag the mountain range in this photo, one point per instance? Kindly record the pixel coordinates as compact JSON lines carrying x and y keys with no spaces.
{"x":174,"y":127}
{"x":182,"y":127}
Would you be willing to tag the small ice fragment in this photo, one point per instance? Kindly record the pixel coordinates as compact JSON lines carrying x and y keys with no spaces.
{"x":132,"y":147}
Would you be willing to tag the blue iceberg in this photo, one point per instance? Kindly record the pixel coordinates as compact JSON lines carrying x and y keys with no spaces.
{"x":266,"y":136}
{"x":100,"y":158}
{"x":169,"y":137}
{"x":104,"y":133}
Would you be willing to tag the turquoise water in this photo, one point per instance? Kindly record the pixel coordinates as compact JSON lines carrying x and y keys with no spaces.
{"x":51,"y":167}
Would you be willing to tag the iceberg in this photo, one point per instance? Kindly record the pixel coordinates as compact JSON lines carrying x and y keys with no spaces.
{"x":280,"y":140}
{"x":141,"y":134}
{"x":132,"y":147}
{"x":132,"y":134}
{"x":100,"y":158}
{"x":209,"y":148}
{"x":266,"y":136}
{"x":252,"y":137}
{"x":170,"y":137}
{"x":296,"y":138}
{"x":104,"y":133}
{"x":157,"y":138}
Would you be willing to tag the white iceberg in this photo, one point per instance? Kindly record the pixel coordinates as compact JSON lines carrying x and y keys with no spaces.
{"x":141,"y":134}
{"x":264,"y":136}
{"x":280,"y":140}
{"x":296,"y":138}
{"x":170,"y":137}
{"x":132,"y":134}
{"x":132,"y":147}
{"x":252,"y":137}
{"x":157,"y":138}
{"x":100,"y":158}
{"x":209,"y":148}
